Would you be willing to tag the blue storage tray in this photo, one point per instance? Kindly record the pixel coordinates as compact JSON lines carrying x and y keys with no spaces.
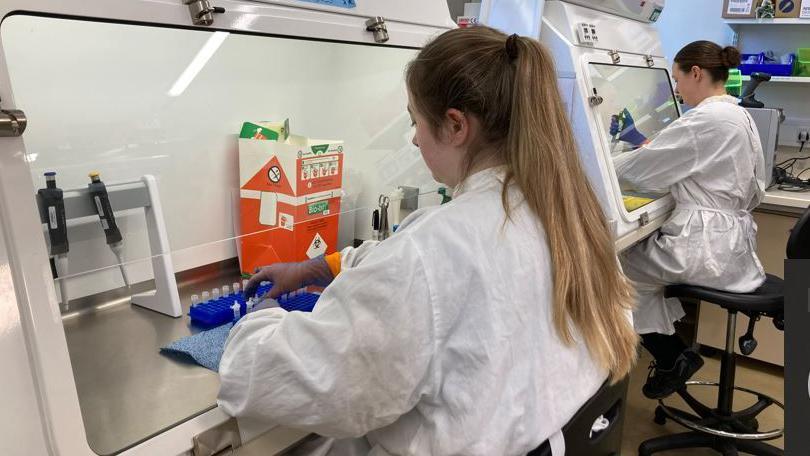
{"x":774,"y":69}
{"x":218,"y":311}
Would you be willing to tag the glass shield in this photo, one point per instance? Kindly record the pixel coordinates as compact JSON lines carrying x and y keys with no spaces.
{"x":198,"y":111}
{"x":647,"y":95}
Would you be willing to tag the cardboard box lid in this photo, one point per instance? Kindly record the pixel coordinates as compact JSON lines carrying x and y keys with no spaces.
{"x":265,"y":130}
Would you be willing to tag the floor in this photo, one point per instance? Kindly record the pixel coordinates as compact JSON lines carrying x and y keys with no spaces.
{"x":755,"y":375}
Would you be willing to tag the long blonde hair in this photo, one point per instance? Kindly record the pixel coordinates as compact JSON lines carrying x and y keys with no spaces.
{"x":509,"y":84}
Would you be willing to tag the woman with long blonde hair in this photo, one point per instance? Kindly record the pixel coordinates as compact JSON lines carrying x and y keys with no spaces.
{"x":482,"y":325}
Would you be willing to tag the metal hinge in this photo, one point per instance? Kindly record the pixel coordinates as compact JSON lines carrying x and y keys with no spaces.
{"x":595,"y":99}
{"x":218,"y":441}
{"x":377,"y":25}
{"x":12,"y":122}
{"x":202,"y":13}
{"x":614,"y":54}
{"x":649,"y":60}
{"x":644,"y":219}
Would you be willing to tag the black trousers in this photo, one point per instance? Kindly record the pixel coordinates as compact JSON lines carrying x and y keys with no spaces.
{"x":664,"y":348}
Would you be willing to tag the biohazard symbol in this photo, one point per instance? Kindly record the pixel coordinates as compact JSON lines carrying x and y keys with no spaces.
{"x":317,"y":247}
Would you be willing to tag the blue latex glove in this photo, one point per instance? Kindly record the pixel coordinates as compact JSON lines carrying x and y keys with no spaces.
{"x":288,"y":277}
{"x":624,"y":126}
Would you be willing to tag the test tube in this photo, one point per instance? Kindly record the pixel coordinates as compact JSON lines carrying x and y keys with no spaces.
{"x":235,"y":308}
{"x":226,"y":291}
{"x":215,"y":293}
{"x":244,"y":283}
{"x":236,"y":288}
{"x":249,"y":305}
{"x":205,"y":296}
{"x":194,"y":300}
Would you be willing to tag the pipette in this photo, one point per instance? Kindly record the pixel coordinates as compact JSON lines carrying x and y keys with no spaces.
{"x":101,"y":201}
{"x":54,"y":204}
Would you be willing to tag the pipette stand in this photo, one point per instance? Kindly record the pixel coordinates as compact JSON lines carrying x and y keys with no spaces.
{"x":132,"y":195}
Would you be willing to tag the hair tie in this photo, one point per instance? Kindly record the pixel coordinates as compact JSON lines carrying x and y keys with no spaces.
{"x":511,"y":46}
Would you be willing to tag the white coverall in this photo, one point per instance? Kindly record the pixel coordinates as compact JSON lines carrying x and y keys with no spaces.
{"x":711,"y":161}
{"x":436,"y":341}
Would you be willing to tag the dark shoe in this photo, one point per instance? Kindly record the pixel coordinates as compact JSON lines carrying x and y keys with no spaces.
{"x":663,"y":382}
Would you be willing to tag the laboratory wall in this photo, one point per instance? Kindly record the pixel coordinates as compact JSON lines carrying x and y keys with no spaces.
{"x":791,"y":97}
{"x":684,"y":21}
{"x":114,"y":108}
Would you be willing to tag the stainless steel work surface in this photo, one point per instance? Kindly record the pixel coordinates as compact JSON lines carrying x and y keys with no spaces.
{"x":136,"y":100}
{"x":128,"y":391}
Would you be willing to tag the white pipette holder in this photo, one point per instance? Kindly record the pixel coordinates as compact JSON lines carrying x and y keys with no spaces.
{"x":132,"y":195}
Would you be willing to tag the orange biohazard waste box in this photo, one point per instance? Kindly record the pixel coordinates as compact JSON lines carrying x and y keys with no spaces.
{"x":290,"y":190}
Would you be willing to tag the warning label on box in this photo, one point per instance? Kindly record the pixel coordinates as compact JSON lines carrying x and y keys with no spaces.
{"x":317,"y":247}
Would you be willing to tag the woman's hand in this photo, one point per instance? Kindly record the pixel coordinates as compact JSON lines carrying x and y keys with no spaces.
{"x":624,"y":125}
{"x":287,"y":277}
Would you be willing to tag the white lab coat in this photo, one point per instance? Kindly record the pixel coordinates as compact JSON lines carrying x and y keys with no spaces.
{"x":711,"y":161}
{"x":436,"y":341}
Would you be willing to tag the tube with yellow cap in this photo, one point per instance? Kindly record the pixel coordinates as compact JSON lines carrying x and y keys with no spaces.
{"x":101,"y":201}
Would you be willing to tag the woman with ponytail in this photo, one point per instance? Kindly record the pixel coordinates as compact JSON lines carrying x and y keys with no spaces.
{"x":482,"y":325}
{"x":711,"y":161}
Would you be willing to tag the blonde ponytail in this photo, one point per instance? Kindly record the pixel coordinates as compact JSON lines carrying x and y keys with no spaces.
{"x":589,"y":289}
{"x":509,"y":84}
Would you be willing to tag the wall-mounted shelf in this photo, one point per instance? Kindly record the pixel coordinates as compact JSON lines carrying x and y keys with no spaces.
{"x":796,"y":79}
{"x":789,"y":93}
{"x":783,"y":21}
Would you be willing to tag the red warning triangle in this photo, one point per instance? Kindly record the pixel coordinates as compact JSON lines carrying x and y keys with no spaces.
{"x":271,"y":178}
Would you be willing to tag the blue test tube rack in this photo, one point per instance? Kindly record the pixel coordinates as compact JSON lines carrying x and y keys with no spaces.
{"x":219,"y":311}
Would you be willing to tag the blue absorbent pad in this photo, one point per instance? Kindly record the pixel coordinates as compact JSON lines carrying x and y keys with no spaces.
{"x":204,"y":348}
{"x":338,"y":3}
{"x":218,"y":311}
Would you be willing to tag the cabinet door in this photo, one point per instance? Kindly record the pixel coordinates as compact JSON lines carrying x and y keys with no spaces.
{"x":651,"y":105}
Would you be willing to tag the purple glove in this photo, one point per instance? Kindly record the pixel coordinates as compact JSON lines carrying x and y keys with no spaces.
{"x":288,"y":277}
{"x":623,"y":125}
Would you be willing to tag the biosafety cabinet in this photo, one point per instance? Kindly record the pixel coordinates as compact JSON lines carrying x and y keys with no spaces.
{"x":609,"y":57}
{"x":152,"y":95}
